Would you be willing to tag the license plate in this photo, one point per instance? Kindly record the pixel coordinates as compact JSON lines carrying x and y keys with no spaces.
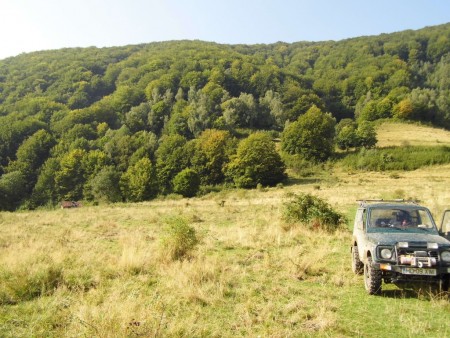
{"x":419,"y":271}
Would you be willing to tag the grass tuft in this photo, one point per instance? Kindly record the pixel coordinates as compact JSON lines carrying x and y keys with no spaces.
{"x":29,"y":281}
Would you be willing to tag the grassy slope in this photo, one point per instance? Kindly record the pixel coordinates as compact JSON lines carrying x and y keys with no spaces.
{"x":100,"y":270}
{"x":401,"y":134}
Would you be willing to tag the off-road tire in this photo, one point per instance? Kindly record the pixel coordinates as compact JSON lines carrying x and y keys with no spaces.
{"x":357,"y":265}
{"x":372,"y":278}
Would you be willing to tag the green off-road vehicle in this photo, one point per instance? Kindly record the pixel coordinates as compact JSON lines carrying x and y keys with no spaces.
{"x":398,"y":242}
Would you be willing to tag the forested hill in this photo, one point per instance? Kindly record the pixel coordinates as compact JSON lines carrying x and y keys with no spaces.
{"x":113,"y":107}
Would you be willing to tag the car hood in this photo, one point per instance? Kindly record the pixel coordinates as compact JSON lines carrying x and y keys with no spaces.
{"x":393,"y":238}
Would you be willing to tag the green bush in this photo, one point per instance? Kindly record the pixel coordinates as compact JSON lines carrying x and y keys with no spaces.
{"x":179,"y":239}
{"x":312,"y":212}
{"x":186,"y":183}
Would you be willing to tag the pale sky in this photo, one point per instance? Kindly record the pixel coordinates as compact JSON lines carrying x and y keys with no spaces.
{"x":31,"y":25}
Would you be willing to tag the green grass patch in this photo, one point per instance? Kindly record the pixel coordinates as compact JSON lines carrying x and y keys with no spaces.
{"x":397,"y":158}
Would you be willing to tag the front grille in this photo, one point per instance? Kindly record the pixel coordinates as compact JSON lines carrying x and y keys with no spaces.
{"x":412,"y":252}
{"x":417,"y":256}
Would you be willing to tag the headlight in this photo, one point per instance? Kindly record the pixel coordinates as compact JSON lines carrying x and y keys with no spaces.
{"x":432,"y":246}
{"x":386,"y":253}
{"x":445,"y":256}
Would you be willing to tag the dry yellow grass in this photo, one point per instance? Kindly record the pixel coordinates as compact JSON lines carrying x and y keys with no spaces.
{"x":250,"y":275}
{"x":427,"y":185}
{"x":402,"y":134}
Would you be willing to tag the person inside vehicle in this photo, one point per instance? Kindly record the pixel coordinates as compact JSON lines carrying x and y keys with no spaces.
{"x":403,"y":218}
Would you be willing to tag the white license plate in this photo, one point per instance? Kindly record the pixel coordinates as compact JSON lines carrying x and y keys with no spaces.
{"x":419,"y":271}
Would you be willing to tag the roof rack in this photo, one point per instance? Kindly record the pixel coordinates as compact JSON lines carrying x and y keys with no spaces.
{"x":400,"y":200}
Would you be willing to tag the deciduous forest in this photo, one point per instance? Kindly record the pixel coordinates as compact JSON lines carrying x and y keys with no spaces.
{"x":135,"y":122}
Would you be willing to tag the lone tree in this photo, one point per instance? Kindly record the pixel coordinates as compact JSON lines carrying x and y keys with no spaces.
{"x":349,"y":134}
{"x":256,"y":162}
{"x":311,"y":136}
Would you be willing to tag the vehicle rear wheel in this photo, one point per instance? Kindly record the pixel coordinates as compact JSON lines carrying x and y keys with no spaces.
{"x":372,"y":278}
{"x":357,"y":265}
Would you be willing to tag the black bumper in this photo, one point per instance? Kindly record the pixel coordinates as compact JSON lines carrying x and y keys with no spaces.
{"x":409,"y":273}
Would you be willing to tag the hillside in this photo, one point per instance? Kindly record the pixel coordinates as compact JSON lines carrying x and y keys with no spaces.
{"x":76,"y":121}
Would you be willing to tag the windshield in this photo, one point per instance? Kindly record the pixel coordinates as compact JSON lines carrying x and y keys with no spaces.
{"x":405,"y":219}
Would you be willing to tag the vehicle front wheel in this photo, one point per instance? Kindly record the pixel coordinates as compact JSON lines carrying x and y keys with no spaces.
{"x":357,"y":265}
{"x":372,"y":278}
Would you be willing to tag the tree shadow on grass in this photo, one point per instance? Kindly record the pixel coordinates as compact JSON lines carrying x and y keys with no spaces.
{"x":400,"y":293}
{"x":299,"y":181}
{"x":421,"y":293}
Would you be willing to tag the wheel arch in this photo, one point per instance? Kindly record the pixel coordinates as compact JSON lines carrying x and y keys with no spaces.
{"x":367,"y":255}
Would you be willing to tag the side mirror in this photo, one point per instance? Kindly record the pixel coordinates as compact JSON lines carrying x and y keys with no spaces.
{"x":444,"y":229}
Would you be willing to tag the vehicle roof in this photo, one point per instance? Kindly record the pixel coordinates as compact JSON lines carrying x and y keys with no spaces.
{"x":393,"y":206}
{"x":388,"y":204}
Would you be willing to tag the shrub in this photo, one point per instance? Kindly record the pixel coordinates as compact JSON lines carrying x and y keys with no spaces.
{"x":312,"y":212}
{"x":179,"y":239}
{"x":186,"y":183}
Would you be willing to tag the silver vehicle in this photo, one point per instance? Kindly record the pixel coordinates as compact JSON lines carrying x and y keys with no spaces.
{"x":398,"y":242}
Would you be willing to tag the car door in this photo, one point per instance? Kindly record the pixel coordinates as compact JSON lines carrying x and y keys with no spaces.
{"x":358,"y":232}
{"x":445,"y":225}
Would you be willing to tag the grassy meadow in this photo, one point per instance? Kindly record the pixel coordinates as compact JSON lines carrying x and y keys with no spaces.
{"x":404,"y":134}
{"x":101,"y":271}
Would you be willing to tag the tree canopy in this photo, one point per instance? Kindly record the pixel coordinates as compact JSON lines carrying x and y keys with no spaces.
{"x":76,"y":119}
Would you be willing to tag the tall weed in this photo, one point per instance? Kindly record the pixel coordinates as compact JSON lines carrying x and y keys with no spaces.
{"x":179,"y":238}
